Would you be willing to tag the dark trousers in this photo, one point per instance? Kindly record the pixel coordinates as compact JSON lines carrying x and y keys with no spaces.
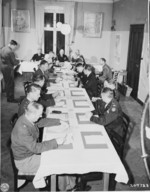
{"x":8,"y":74}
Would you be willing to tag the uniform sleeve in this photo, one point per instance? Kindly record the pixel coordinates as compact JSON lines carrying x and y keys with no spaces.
{"x":31,"y":144}
{"x":47,"y":103}
{"x":106,"y":118}
{"x":48,"y":122}
{"x":13,"y":60}
{"x":34,"y":57}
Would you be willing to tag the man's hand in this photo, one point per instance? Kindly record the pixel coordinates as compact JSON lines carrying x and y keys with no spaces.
{"x":61,"y":141}
{"x":56,"y":94}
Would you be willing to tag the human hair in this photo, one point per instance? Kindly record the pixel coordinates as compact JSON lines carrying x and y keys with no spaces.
{"x":103,"y":59}
{"x":79,"y":65}
{"x":89,"y":68}
{"x":38,"y":77}
{"x":109,"y":92}
{"x":43,"y":62}
{"x":33,"y":107}
{"x":13,"y":42}
{"x":33,"y":87}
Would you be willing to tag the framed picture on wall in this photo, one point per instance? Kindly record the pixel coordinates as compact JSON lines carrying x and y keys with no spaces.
{"x":93,"y":23}
{"x":20,"y":21}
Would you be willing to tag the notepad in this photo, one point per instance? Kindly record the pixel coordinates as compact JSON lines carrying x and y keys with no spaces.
{"x":94,"y":139}
{"x":77,"y":93}
{"x":81,"y":103}
{"x":83,"y":118}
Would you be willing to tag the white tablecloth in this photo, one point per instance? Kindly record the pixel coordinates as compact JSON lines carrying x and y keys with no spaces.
{"x":91,"y":149}
{"x":28,"y":66}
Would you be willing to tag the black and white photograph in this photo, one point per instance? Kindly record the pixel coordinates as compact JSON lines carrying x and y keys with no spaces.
{"x":75,"y":95}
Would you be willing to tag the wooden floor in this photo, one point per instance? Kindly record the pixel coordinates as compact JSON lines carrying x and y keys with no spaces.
{"x":133,"y":161}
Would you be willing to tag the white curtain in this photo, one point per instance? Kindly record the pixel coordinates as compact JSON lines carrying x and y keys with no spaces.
{"x":39,"y":23}
{"x":68,"y":8}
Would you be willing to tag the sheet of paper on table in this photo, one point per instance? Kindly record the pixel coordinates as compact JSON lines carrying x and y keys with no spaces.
{"x":81,"y":103}
{"x":83,"y":118}
{"x":94,"y":139}
{"x":63,"y":128}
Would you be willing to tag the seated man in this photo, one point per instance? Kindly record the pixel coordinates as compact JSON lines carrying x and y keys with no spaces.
{"x":106,"y":73}
{"x":45,"y":99}
{"x":24,"y":140}
{"x":91,"y":83}
{"x":50,"y":57}
{"x":78,"y":58}
{"x":38,"y":56}
{"x":81,"y":77}
{"x":108,"y":113}
{"x":110,"y":84}
{"x":61,"y":57}
{"x":43,"y":67}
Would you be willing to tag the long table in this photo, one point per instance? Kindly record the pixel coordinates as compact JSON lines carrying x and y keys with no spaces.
{"x":90,"y":150}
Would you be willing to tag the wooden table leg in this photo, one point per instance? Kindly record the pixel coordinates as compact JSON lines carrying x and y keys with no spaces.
{"x":53,"y":182}
{"x":106,"y":182}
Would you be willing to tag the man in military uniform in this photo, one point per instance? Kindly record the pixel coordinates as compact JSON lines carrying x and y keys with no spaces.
{"x":106,"y":72}
{"x":24,"y":140}
{"x":61,"y":57}
{"x":38,"y":56}
{"x":81,"y":77}
{"x":91,"y":83}
{"x":108,"y":113}
{"x":8,"y":61}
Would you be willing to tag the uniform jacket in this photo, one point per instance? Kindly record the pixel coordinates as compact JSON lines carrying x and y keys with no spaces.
{"x":44,"y":122}
{"x":109,"y":116}
{"x":8,"y":57}
{"x":62,"y":58}
{"x":37,"y":57}
{"x":24,"y":140}
{"x":91,"y":85}
{"x":106,"y":74}
{"x":82,"y":78}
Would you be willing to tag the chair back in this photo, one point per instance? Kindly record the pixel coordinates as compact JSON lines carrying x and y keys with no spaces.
{"x":26,"y":85}
{"x":115,"y":77}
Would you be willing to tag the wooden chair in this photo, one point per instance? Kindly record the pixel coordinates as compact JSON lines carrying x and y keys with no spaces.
{"x":115,"y":78}
{"x":26,"y":177}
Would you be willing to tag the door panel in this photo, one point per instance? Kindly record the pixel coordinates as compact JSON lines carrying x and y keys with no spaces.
{"x":134,"y":57}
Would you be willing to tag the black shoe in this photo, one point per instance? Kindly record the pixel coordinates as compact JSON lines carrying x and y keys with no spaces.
{"x":12,"y":100}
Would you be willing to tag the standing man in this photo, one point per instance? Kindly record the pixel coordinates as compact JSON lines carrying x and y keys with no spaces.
{"x":8,"y":61}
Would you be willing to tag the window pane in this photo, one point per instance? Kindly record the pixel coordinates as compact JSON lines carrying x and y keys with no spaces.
{"x":48,"y":35}
{"x":60,"y":17}
{"x":48,"y":19}
{"x":60,"y":41}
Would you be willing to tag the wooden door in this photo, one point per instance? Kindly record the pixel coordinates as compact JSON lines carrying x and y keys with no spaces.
{"x":134,"y":57}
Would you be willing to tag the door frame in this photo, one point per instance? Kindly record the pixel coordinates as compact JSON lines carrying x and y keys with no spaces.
{"x":128,"y":58}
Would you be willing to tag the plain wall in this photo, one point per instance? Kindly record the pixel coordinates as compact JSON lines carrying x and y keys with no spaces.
{"x":125,"y":13}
